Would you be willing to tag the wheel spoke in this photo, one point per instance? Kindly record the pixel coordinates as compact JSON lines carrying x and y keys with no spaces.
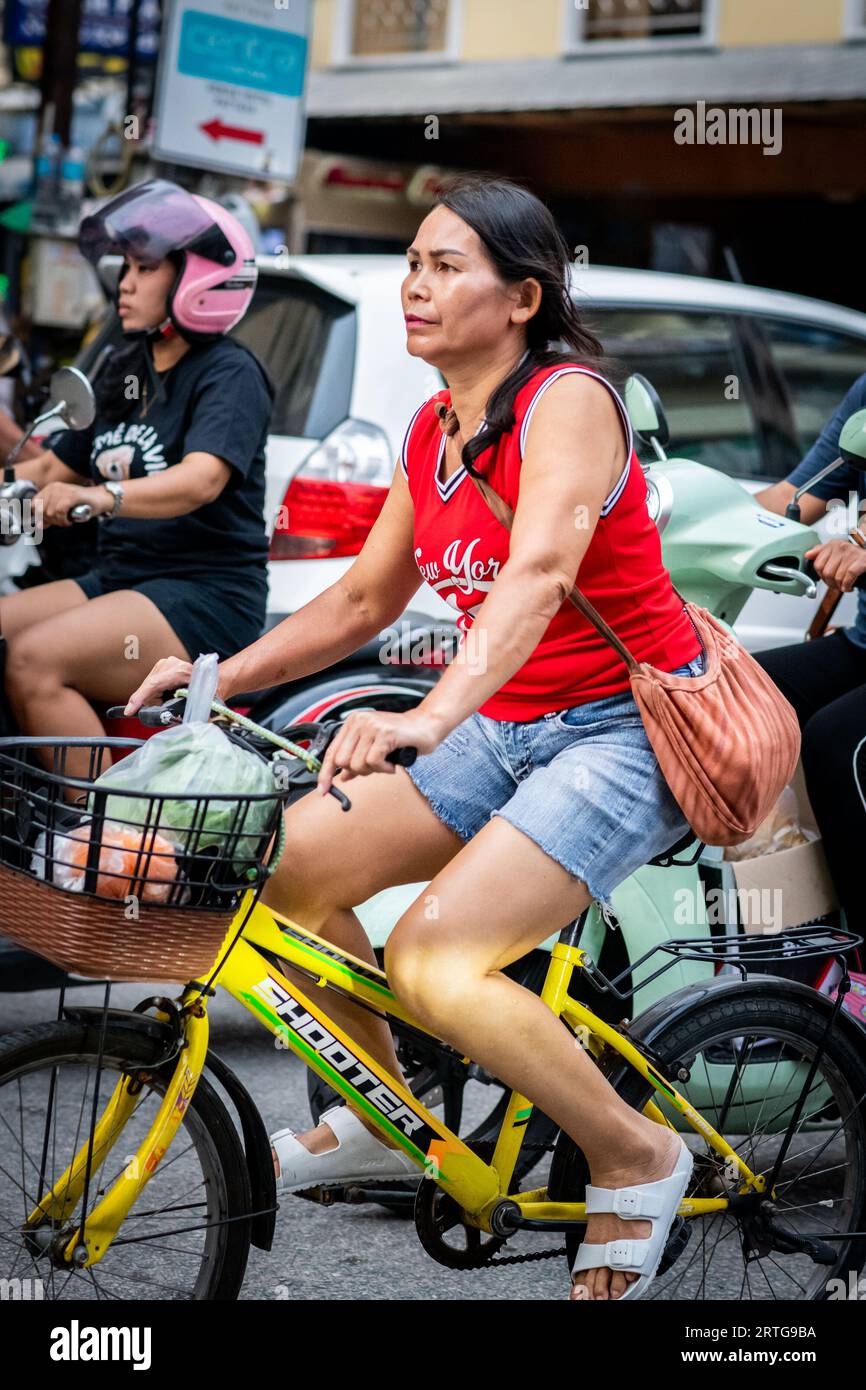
{"x":761,"y":1087}
{"x":191,"y":1184}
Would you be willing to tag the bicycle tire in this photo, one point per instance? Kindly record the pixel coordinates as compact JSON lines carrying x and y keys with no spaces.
{"x":719,"y":1019}
{"x":206,"y":1122}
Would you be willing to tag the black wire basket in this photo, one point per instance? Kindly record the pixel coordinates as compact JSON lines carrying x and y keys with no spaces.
{"x":122,"y":885}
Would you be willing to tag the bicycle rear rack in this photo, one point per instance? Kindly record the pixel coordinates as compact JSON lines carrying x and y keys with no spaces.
{"x":795,"y":943}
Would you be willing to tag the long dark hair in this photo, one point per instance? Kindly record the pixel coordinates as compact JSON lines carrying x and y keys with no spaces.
{"x":522,"y":240}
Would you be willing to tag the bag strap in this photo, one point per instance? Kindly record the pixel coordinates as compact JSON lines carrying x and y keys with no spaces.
{"x":505,"y":515}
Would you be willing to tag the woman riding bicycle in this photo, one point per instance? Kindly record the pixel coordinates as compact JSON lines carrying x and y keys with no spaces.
{"x":174,"y":462}
{"x":536,"y":789}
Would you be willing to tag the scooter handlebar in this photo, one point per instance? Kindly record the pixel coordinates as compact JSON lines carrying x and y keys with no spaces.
{"x":809,"y":569}
{"x":403,"y":757}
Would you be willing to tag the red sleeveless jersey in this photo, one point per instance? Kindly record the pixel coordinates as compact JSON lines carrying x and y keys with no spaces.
{"x":460,"y":548}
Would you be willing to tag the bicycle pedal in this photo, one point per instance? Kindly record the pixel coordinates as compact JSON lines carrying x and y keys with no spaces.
{"x":678,"y":1238}
{"x":355,"y":1193}
{"x":384,"y":1193}
{"x":325,"y":1196}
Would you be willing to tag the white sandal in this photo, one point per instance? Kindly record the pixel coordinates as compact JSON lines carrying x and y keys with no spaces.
{"x":656,"y":1202}
{"x":358,"y":1157}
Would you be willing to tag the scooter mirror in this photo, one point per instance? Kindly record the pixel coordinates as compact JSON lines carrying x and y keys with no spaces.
{"x":852,"y":440}
{"x":645,"y":410}
{"x":10,"y":353}
{"x":108,"y":269}
{"x":71,"y":398}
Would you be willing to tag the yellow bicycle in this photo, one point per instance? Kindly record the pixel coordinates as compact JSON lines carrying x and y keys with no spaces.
{"x":125,"y":1173}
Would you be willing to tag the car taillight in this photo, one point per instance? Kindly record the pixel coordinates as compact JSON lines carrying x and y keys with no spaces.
{"x":332,"y":502}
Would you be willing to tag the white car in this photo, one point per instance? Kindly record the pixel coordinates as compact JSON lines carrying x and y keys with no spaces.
{"x":748,"y":378}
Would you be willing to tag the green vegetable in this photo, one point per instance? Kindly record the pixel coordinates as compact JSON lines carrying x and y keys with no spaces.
{"x":182,"y":763}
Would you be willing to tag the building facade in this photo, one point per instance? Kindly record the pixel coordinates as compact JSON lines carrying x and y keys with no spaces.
{"x":695,"y":135}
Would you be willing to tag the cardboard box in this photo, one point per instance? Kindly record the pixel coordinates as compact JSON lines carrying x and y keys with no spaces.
{"x":785,"y":889}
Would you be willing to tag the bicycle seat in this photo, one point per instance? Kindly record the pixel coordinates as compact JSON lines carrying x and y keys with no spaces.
{"x":666,"y":858}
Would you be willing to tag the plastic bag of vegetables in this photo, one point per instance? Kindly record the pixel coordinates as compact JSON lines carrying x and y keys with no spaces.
{"x":185,"y":763}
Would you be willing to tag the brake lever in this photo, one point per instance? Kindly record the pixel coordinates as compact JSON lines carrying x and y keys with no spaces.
{"x":151,"y":716}
{"x":401,"y":757}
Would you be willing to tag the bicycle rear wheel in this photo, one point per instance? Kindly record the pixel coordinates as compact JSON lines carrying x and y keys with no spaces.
{"x":742,"y":1061}
{"x":187,"y":1236}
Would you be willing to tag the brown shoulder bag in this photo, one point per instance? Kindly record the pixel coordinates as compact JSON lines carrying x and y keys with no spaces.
{"x":727,"y":742}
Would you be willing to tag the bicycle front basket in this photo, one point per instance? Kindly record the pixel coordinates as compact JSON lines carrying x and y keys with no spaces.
{"x":119,"y":897}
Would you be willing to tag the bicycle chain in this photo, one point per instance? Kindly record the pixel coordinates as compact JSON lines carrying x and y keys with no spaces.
{"x":525,"y":1259}
{"x":533,"y":1254}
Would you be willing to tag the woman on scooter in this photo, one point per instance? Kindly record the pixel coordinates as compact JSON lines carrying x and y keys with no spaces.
{"x":536,"y":789}
{"x":173,"y":462}
{"x":825,"y":680}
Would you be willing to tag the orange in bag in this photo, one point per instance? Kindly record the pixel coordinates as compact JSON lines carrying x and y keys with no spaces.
{"x":123,"y":867}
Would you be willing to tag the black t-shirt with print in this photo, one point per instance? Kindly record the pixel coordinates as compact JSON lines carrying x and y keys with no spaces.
{"x":218,"y":401}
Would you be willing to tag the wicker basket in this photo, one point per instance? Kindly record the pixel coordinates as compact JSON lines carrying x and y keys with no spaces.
{"x":90,"y":936}
{"x":63,"y":895}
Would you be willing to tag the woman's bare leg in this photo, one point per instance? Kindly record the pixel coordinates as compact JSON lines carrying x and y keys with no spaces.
{"x":99,"y":650}
{"x":335,"y":860}
{"x":497,"y":899}
{"x":24,"y":610}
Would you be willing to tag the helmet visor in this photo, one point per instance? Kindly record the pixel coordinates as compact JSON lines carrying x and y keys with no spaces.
{"x":150,"y":220}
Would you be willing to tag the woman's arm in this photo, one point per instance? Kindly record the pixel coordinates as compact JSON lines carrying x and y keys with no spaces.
{"x":47,"y":468}
{"x":372,"y":593}
{"x":575,"y":450}
{"x":198,"y":479}
{"x":190,"y":484}
{"x":776,"y":498}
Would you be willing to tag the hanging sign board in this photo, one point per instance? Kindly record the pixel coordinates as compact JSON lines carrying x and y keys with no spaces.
{"x":230,"y":86}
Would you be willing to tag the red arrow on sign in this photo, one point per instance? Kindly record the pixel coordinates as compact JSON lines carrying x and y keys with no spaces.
{"x":217,"y":131}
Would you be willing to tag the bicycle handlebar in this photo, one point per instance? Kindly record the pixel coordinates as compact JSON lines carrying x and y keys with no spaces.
{"x":169,"y":713}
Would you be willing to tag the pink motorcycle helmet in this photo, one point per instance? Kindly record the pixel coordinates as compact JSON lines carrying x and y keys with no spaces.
{"x":217,"y":271}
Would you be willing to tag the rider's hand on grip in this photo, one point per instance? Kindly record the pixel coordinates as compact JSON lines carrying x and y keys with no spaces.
{"x":403,"y":757}
{"x":810,"y":570}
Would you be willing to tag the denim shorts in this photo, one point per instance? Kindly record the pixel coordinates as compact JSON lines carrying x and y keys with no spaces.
{"x":583,"y":783}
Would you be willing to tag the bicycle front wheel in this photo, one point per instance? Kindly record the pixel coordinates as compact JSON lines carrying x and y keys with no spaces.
{"x":188,"y":1234}
{"x":743,"y":1060}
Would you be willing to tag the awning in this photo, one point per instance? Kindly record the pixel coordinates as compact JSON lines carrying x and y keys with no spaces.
{"x":766,"y":75}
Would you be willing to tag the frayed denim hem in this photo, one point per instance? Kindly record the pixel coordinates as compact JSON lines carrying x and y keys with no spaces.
{"x":440,"y":813}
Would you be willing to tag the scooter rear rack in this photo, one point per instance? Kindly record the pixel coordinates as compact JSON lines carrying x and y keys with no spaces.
{"x":794,"y":943}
